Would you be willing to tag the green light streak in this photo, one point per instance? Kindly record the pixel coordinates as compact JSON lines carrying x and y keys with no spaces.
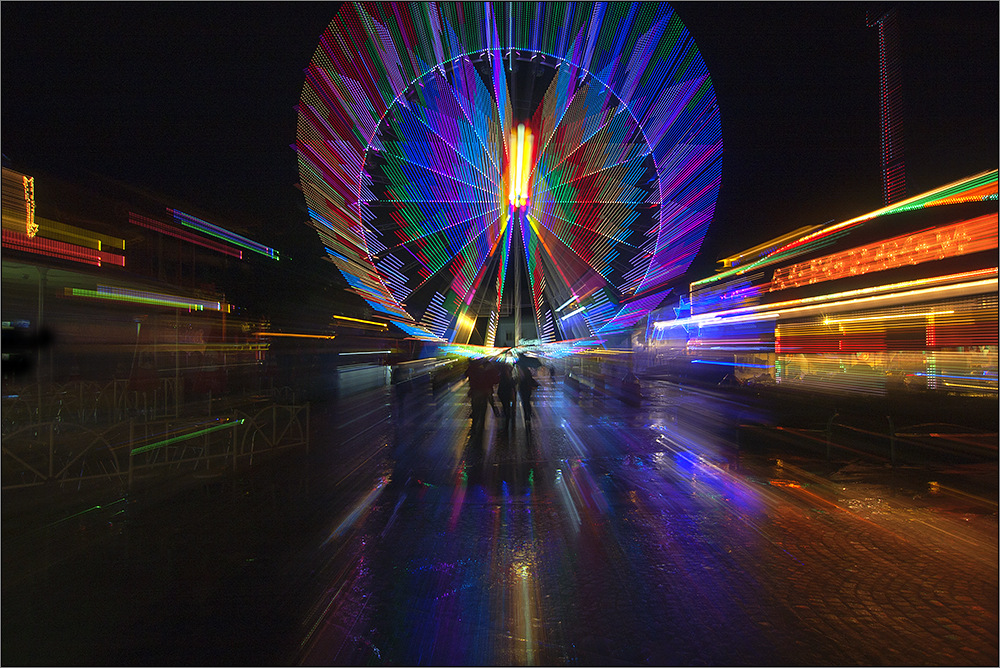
{"x":78,"y":292}
{"x":92,"y":508}
{"x":184,"y":437}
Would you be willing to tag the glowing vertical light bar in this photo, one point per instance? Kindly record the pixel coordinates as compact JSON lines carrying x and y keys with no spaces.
{"x":529,"y":142}
{"x":519,"y":163}
{"x":891,"y":103}
{"x":31,"y":227}
{"x":512,"y":195}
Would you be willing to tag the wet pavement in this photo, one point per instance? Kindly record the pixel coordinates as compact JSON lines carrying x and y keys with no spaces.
{"x":602,"y":535}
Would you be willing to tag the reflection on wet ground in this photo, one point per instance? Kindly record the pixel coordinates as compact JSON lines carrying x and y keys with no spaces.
{"x":601,"y":535}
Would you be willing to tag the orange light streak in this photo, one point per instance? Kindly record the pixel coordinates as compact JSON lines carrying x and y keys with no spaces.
{"x":300,"y":336}
{"x":870,"y":296}
{"x":970,"y":236}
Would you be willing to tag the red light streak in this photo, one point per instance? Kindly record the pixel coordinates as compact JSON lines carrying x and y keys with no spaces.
{"x":60,"y":250}
{"x":169,"y":230}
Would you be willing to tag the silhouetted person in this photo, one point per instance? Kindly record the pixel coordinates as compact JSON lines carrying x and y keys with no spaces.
{"x":482,"y":377}
{"x":506,"y":393}
{"x":526,"y":385}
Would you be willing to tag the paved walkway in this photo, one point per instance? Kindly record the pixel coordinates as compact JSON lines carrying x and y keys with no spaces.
{"x":603,"y":535}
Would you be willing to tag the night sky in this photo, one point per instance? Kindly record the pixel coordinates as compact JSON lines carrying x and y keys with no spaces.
{"x":195,"y":101}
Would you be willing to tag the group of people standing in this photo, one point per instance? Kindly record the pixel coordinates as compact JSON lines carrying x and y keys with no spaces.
{"x":510,"y":381}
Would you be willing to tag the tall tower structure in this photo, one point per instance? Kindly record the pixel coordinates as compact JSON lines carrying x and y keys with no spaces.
{"x":891,"y":105}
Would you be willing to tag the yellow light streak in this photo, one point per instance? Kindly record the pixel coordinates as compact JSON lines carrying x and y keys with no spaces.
{"x":760,"y":249}
{"x":466,"y":321}
{"x":800,"y":307}
{"x":828,"y":321}
{"x":300,"y":336}
{"x":971,"y":387}
{"x":31,"y":227}
{"x":366,"y":322}
{"x":839,"y":226}
{"x":51,"y":229}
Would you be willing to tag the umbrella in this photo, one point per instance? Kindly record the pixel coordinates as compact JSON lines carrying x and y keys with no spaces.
{"x":529,"y":361}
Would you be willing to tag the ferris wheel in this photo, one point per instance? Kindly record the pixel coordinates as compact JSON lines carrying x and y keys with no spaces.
{"x":461,"y":158}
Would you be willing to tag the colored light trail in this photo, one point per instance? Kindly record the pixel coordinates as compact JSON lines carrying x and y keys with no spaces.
{"x":183,"y":235}
{"x":438,"y":142}
{"x":184,"y":437}
{"x":31,"y":227}
{"x":51,"y":229}
{"x":146,"y":297}
{"x":978,"y":188}
{"x":970,"y":236}
{"x":190,"y":221}
{"x":60,"y":249}
{"x":328,"y":337}
{"x":360,"y":321}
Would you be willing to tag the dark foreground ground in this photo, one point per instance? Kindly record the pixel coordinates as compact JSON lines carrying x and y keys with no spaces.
{"x":604,"y":535}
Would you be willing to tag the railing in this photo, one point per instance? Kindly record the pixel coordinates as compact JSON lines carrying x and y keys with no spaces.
{"x":73,"y":455}
{"x":58,"y":452}
{"x":85,"y":402}
{"x":926,"y":441}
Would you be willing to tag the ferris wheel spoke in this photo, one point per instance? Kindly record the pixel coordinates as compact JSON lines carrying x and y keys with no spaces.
{"x":421,"y":152}
{"x":606,"y":171}
{"x":564,"y":255}
{"x":432,"y":112}
{"x":441,"y":239}
{"x":435,"y":173}
{"x":599,"y":243}
{"x":488,"y":150}
{"x":424,"y":215}
{"x":618,"y":113}
{"x":457,"y":257}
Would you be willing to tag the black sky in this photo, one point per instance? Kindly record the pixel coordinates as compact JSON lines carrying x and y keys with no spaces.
{"x":196,"y":101}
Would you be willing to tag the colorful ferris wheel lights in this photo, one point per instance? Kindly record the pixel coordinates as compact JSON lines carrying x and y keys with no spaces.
{"x":446,"y":148}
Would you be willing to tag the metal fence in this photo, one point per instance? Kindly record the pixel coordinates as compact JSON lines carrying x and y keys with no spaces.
{"x":73,"y":455}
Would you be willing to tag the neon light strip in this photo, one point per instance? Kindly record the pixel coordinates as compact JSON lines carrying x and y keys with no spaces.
{"x":368,"y":352}
{"x":367,"y":322}
{"x":60,"y":249}
{"x":222,"y":347}
{"x":828,"y":321}
{"x":970,"y":236}
{"x":31,"y":227}
{"x":566,"y":303}
{"x":754,"y":366}
{"x":301,"y":336}
{"x":51,"y":229}
{"x":984,"y":184}
{"x":141,"y":297}
{"x":221,"y":233}
{"x":169,"y":230}
{"x":751,"y":314}
{"x":938,"y":375}
{"x":849,"y":293}
{"x":184,"y":437}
